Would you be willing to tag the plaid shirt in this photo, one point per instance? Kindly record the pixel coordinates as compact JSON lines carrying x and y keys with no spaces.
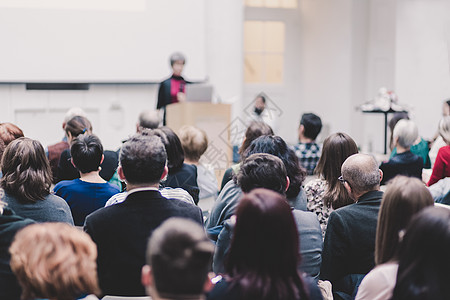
{"x":308,"y":154}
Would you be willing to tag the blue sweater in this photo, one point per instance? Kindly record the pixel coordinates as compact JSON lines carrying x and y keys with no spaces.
{"x":84,"y":197}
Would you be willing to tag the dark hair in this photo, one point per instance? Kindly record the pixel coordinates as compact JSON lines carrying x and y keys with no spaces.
{"x":262,"y":170}
{"x":424,"y":265}
{"x":26,"y":170}
{"x":254,"y":130}
{"x":86,"y":152}
{"x":392,"y":122}
{"x":9,"y":132}
{"x":448,"y":102}
{"x":336,"y":148}
{"x":263,"y":99}
{"x":264,"y":252}
{"x":404,"y":197}
{"x":143,"y":159}
{"x":312,"y":124}
{"x":78,"y":125}
{"x":174,"y":150}
{"x":275,"y":145}
{"x":180,"y":255}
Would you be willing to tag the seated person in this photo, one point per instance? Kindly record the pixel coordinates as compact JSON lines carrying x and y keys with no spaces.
{"x":441,"y":168}
{"x":89,"y":192}
{"x":267,"y":171}
{"x":178,"y":261}
{"x":195,"y":143}
{"x":405,"y":162}
{"x":55,"y":261}
{"x":307,"y":151}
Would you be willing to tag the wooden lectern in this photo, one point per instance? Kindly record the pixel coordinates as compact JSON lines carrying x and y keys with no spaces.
{"x":214,"y":119}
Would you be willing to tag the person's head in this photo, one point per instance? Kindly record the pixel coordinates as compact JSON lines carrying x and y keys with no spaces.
{"x":392,"y":122}
{"x":360,"y":174}
{"x":336,"y":149}
{"x":54,"y":261}
{"x":9,"y":132}
{"x":177,"y":61}
{"x":260,"y":104}
{"x":444,"y":129}
{"x":178,"y":257}
{"x":404,"y":197}
{"x":275,"y":145}
{"x":143,"y":160}
{"x":446,"y":108}
{"x":87,"y":153}
{"x":264,"y":251}
{"x":194,"y":142}
{"x":174,"y":150}
{"x":148,"y":119}
{"x":254,"y":130}
{"x":310,"y":126}
{"x":72,"y":112}
{"x":405,"y":133}
{"x":423,"y":257}
{"x":26,"y":170}
{"x":262,"y":170}
{"x":76,"y":126}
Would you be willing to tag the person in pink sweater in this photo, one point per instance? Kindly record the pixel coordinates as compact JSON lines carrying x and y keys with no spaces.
{"x":441,"y":167}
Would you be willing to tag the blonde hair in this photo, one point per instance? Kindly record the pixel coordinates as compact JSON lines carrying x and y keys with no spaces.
{"x":54,"y":261}
{"x":194,"y":142}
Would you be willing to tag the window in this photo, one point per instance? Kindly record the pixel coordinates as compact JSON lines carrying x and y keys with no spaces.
{"x":263,"y":51}
{"x":272,"y":3}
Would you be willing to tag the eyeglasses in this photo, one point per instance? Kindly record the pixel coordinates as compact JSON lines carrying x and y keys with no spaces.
{"x":341,"y":179}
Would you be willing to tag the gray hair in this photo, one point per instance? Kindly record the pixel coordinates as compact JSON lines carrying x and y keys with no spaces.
{"x":361,"y":172}
{"x":407,"y":133}
{"x":149,"y":119}
{"x":177,"y":56}
{"x":444,"y":128}
{"x":73,"y":112}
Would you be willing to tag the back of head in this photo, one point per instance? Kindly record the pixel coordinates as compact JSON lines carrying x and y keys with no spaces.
{"x":78,"y":125}
{"x":194,"y":142}
{"x":73,"y":112}
{"x":180,"y":255}
{"x":406,"y":132}
{"x":444,"y":128}
{"x":9,"y":132}
{"x":149,"y":119}
{"x":143,"y":159}
{"x":312,"y":124}
{"x":275,"y":145}
{"x":361,"y":172}
{"x":336,"y":149}
{"x":262,"y":170}
{"x":423,"y":257}
{"x":26,"y":170}
{"x":397,"y":117}
{"x":263,"y":255}
{"x":404,"y":197}
{"x":87,"y":152}
{"x":174,"y":150}
{"x":54,"y":261}
{"x":254,"y":130}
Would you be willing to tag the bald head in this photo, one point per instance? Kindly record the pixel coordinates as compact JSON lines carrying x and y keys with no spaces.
{"x":361,"y":172}
{"x":148,"y":119}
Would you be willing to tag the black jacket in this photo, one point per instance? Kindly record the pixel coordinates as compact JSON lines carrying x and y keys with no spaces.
{"x":406,"y":163}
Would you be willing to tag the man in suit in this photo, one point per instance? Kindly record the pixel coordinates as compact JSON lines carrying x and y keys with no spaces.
{"x":121,"y":231}
{"x":348,"y":252}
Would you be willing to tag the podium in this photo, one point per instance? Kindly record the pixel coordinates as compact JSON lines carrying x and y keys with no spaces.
{"x":214,"y":119}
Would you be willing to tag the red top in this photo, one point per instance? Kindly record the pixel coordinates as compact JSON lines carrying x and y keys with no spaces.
{"x":441,"y":167}
{"x":176,"y":85}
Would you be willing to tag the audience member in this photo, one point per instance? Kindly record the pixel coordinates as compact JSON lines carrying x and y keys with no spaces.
{"x":441,"y":168}
{"x":178,"y":260}
{"x":75,"y":127}
{"x":423,"y":267}
{"x":195,"y":143}
{"x":89,"y":192}
{"x":440,"y":191}
{"x":121,"y":231}
{"x":254,"y":131}
{"x":326,"y":193}
{"x":307,"y":151}
{"x":10,"y":224}
{"x":55,"y":261}
{"x":420,"y":146}
{"x":404,"y":197}
{"x":148,"y":119}
{"x":26,"y":181}
{"x":8,"y":133}
{"x":263,"y":258}
{"x":404,"y":162}
{"x":181,"y":174}
{"x":349,"y":245}
{"x":437,"y":141}
{"x":261,"y":112}
{"x":54,"y":151}
{"x":267,"y":171}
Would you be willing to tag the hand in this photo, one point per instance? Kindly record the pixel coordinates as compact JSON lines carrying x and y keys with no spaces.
{"x":181,"y":97}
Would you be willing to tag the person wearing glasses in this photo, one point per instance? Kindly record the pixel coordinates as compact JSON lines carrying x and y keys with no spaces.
{"x":348,"y":253}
